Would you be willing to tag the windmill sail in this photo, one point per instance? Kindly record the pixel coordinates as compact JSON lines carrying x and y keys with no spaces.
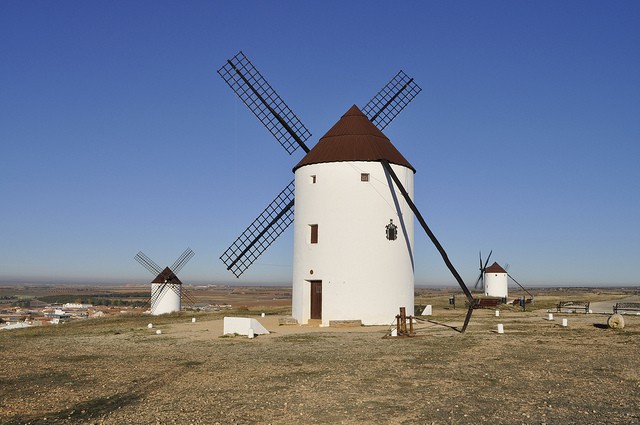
{"x":148,"y":263}
{"x":391,"y":100}
{"x":480,"y":280}
{"x":261,"y":233}
{"x":182,"y":260}
{"x":247,"y":82}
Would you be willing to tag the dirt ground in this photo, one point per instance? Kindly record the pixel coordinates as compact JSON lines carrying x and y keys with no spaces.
{"x":117,"y":371}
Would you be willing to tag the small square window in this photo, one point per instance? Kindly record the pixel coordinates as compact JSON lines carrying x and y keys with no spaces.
{"x":364,"y":177}
{"x":312,"y":179}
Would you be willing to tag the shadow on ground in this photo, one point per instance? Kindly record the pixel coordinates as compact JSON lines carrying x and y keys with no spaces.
{"x":90,"y":409}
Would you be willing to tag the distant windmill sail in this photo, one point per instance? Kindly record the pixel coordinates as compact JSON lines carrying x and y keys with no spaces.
{"x":480,"y":280}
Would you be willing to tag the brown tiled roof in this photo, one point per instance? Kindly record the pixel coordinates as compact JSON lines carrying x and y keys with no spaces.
{"x":494,"y":268}
{"x":354,"y":138}
{"x":167,"y":276}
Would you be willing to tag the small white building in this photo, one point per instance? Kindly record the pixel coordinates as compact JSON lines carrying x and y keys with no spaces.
{"x":76,"y":305}
{"x":17,"y":325}
{"x":353,"y":230}
{"x":496,"y":281}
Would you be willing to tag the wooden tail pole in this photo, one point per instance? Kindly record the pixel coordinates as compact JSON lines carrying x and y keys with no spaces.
{"x":429,"y":233}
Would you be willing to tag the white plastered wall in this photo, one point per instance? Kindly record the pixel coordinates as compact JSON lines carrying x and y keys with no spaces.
{"x":169,"y":298}
{"x":496,"y":285}
{"x":364,"y":275}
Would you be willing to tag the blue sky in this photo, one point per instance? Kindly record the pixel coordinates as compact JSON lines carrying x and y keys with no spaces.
{"x":117,"y":135}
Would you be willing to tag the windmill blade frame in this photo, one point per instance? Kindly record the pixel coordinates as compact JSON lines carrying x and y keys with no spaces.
{"x":385,"y":106}
{"x":148,"y":263}
{"x":478,"y":280}
{"x":251,"y":87}
{"x":483,"y":268}
{"x":188,"y":296}
{"x":182,"y":260}
{"x":475,"y":286}
{"x":261,"y":233}
{"x":487,"y":260}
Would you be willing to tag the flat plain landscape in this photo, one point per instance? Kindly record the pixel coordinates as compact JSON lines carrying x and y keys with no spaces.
{"x":114,"y":370}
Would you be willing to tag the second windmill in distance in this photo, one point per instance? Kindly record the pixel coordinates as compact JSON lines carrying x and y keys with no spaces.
{"x":166,"y":288}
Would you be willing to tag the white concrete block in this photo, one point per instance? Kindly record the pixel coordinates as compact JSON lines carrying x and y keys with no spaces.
{"x":428,"y":310}
{"x":242,"y":325}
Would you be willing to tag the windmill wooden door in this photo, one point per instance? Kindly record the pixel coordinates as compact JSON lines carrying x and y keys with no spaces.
{"x":316,"y":299}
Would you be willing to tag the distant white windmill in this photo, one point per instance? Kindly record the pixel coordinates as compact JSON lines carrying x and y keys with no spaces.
{"x":496,"y":281}
{"x":166,"y":289}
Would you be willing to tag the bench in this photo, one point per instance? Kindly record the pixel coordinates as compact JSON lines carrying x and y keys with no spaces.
{"x":572,"y":306}
{"x":622,"y":307}
{"x":518,"y":301}
{"x":486,"y":302}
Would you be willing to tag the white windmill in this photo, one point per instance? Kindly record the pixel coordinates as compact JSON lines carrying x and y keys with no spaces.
{"x":353,"y":237}
{"x":353,"y":232}
{"x":166,"y":289}
{"x":496,"y":281}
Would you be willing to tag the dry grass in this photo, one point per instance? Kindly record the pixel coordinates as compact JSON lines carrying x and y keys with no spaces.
{"x":118,"y":371}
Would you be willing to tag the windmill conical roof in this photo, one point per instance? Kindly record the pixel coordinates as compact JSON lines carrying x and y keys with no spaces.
{"x":495,"y":268}
{"x":354,"y":138}
{"x":167,"y":276}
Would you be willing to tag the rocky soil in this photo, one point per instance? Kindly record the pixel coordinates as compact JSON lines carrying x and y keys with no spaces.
{"x":117,"y":371}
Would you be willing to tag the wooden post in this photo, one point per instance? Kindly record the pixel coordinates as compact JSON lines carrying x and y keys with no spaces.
{"x":403,"y":315}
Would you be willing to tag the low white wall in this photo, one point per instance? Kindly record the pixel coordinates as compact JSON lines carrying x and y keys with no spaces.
{"x":241,"y":326}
